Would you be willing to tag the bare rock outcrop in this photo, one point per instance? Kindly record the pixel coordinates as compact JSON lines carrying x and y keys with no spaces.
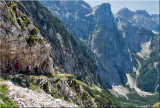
{"x":21,"y":41}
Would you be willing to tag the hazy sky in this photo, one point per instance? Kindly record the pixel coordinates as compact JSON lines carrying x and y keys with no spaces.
{"x":151,"y":6}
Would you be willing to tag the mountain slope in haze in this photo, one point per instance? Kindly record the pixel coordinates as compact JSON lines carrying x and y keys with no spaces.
{"x":155,"y":17}
{"x":140,"y":18}
{"x":73,"y":14}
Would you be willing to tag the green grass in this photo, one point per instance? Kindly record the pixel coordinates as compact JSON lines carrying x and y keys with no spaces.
{"x":157,"y":105}
{"x":32,"y":41}
{"x":64,"y":74}
{"x":12,"y":19}
{"x":7,"y":102}
{"x":19,"y":21}
{"x":26,"y":21}
{"x":137,"y":101}
{"x":102,"y":98}
{"x":13,"y":11}
{"x":34,"y":31}
{"x":13,"y":6}
{"x":35,"y":87}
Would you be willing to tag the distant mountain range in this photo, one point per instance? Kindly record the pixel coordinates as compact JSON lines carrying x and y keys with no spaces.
{"x":125,"y":44}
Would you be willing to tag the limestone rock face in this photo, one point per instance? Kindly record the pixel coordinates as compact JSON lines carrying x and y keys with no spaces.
{"x":21,"y":41}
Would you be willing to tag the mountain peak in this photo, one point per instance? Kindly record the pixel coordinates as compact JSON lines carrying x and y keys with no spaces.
{"x":105,"y":6}
{"x":143,"y":12}
{"x":103,"y":9}
{"x":124,"y":9}
{"x":125,"y":12}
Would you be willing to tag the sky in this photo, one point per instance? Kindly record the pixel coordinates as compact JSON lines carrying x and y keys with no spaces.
{"x":151,"y":6}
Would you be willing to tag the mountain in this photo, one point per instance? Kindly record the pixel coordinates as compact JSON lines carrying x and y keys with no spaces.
{"x":125,"y":46}
{"x":140,"y":18}
{"x":142,"y":44}
{"x":66,"y":51}
{"x":119,"y":52}
{"x":90,"y":28}
{"x":21,"y":41}
{"x":155,"y":17}
{"x":73,"y":14}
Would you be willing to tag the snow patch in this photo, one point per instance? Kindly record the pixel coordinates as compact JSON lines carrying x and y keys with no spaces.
{"x":155,"y":32}
{"x":155,"y":64}
{"x":130,"y":55}
{"x":135,"y":17}
{"x":84,"y":6}
{"x":137,"y":69}
{"x":145,"y":50}
{"x":157,"y":87}
{"x":124,"y":35}
{"x":67,"y":15}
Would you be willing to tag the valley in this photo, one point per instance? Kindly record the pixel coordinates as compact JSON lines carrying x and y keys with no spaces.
{"x":86,"y":56}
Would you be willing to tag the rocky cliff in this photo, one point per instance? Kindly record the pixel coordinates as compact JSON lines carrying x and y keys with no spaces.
{"x":21,"y":41}
{"x":66,"y":51}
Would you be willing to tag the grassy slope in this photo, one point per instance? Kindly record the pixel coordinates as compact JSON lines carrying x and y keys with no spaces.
{"x":137,"y":101}
{"x":5,"y":101}
{"x":101,"y":97}
{"x":157,"y":105}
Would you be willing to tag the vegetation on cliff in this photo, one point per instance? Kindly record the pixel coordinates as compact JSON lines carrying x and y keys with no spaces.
{"x":157,"y":105}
